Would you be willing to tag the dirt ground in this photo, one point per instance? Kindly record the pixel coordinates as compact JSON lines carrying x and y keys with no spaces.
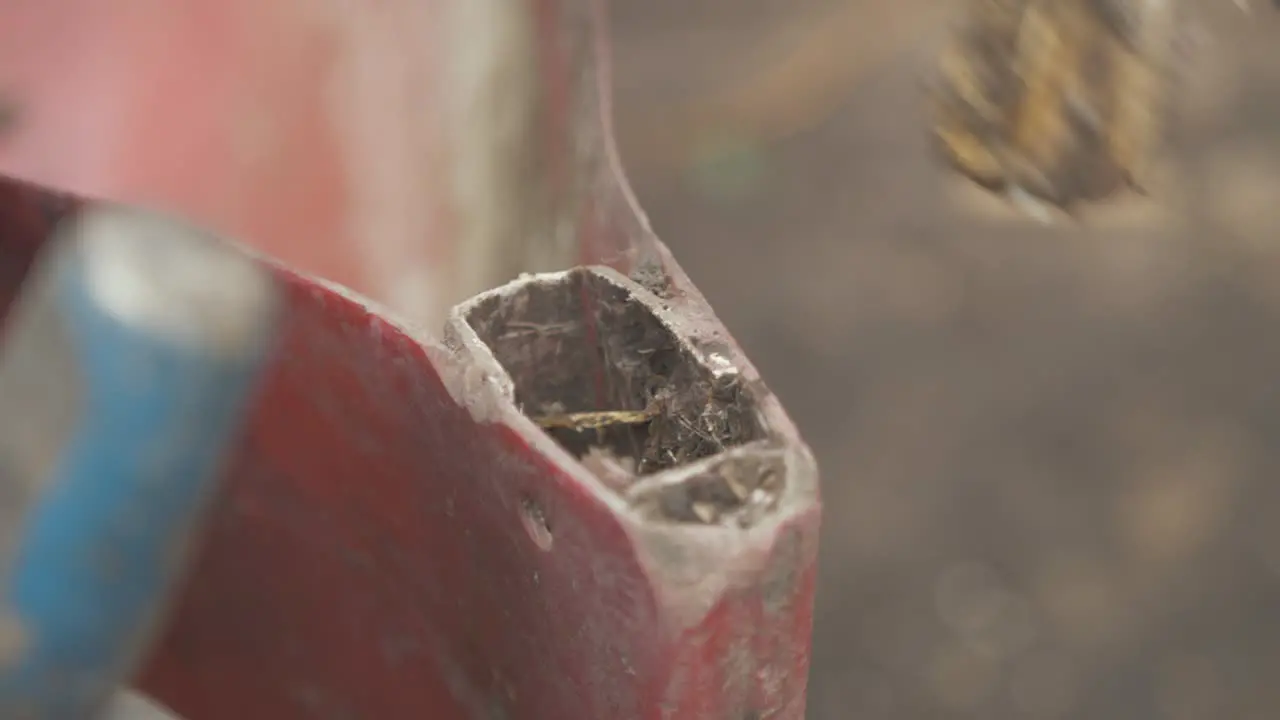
{"x":1050,"y":454}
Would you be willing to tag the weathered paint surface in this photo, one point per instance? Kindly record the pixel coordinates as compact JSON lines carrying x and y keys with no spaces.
{"x":397,"y":540}
{"x":383,"y":550}
{"x":372,"y":557}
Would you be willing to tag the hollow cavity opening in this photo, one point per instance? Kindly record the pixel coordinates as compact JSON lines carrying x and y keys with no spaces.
{"x":596,"y":368}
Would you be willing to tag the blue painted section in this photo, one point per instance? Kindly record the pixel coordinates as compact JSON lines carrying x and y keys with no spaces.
{"x":104,"y":545}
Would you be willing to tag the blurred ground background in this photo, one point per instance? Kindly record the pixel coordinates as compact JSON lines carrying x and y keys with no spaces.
{"x":1051,"y":455}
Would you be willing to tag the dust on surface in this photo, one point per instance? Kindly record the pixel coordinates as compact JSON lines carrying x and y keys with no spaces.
{"x":597,"y":370}
{"x":736,"y":491}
